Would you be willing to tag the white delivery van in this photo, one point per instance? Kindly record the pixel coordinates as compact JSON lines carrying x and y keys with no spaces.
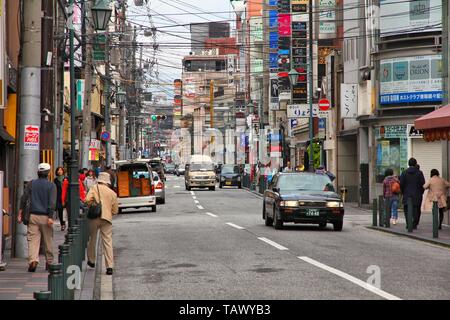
{"x":134,"y":184}
{"x":200,"y":173}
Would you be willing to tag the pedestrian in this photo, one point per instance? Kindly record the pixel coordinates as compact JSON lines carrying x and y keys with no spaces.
{"x":82,"y":189}
{"x":37,"y":207}
{"x":82,"y":173}
{"x":90,"y":180}
{"x":321,"y":170}
{"x":112,"y":174}
{"x":437,"y":191}
{"x":62,"y":185}
{"x":103,"y":195}
{"x":288,"y":167}
{"x":411,"y":185}
{"x":391,"y":191}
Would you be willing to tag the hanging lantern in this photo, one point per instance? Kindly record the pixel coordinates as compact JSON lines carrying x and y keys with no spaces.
{"x":432,"y":135}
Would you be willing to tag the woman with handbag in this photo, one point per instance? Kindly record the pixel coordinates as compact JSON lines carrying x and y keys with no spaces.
{"x":437,"y":191}
{"x":102,"y":205}
{"x":62,"y":185}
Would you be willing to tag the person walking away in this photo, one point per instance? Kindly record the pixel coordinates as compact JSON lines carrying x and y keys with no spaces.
{"x":40,"y":199}
{"x":102,"y":193}
{"x":437,"y":191}
{"x":62,"y":186}
{"x":411,"y":185}
{"x":391,"y":191}
{"x":112,"y":174}
{"x":90,"y":180}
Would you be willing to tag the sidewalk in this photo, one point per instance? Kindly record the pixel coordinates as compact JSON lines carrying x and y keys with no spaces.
{"x":16,"y":283}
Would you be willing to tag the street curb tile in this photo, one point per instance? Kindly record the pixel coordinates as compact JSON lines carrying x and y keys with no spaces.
{"x":412,"y":236}
{"x":106,"y":285}
{"x":254,"y":192}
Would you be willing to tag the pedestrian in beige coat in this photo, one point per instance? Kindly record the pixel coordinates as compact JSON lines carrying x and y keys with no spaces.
{"x":437,"y":191}
{"x":110,"y":207}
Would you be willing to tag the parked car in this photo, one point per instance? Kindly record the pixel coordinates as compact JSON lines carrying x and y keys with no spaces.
{"x":169,"y":168}
{"x":230,"y":176}
{"x":134,"y":185}
{"x":302,"y":197}
{"x":180,"y":170}
{"x":157,"y":165}
{"x":160,"y":189}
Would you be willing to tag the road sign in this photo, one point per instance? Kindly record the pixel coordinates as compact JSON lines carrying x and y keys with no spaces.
{"x":31,"y":138}
{"x":324,"y":104}
{"x":105,"y":136}
{"x":323,"y":114}
{"x":322,"y":128}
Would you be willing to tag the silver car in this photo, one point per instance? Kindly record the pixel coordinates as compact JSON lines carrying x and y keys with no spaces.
{"x":160,"y":187}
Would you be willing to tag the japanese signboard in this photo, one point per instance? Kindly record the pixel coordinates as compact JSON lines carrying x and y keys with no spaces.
{"x":301,"y":110}
{"x":411,"y":79}
{"x":349,"y":100}
{"x":31,"y":137}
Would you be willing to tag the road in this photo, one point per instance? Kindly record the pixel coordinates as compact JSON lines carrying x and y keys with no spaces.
{"x":214,"y":245}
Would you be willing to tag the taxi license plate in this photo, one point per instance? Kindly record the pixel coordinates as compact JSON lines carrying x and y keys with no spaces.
{"x":312,"y":212}
{"x":228,"y":183}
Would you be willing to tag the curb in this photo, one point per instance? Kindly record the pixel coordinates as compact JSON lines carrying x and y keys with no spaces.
{"x":419,"y":238}
{"x":252,"y":191}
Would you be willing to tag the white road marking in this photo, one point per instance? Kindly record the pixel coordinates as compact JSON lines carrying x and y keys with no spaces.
{"x":196,"y":201}
{"x":211,"y":214}
{"x":200,"y":207}
{"x":235,"y":226}
{"x":176,"y":186}
{"x":273,"y":243}
{"x":194,"y":197}
{"x":350,"y":278}
{"x":192,"y":192}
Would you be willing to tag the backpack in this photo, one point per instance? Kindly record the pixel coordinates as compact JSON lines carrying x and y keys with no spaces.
{"x":395,"y":187}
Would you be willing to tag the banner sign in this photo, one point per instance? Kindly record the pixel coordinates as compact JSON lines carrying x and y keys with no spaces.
{"x":31,"y":138}
{"x":301,"y":110}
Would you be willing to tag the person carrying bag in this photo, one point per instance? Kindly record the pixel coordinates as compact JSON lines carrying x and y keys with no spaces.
{"x":100,"y":215}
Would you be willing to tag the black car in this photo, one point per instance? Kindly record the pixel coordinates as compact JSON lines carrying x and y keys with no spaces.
{"x":169,"y":168}
{"x":230,"y":176}
{"x":158,"y":166}
{"x":302,"y":197}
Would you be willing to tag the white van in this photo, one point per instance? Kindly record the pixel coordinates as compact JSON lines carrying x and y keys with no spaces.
{"x":134,"y":184}
{"x":200,"y":173}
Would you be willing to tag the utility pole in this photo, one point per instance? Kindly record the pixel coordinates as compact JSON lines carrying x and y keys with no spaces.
{"x":311,"y":88}
{"x":107,"y":102}
{"x":211,"y":110}
{"x":29,"y":109}
{"x":88,"y":72}
{"x":74,"y":192}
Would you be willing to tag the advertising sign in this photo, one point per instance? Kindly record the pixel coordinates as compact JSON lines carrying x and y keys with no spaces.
{"x":301,"y":110}
{"x":327,"y":18}
{"x":189,"y":88}
{"x":284,"y":25}
{"x":80,"y":94}
{"x":349,"y":100}
{"x":31,"y":137}
{"x":274,"y":95}
{"x":400,"y":17}
{"x":2,"y":55}
{"x":256,"y":29}
{"x":273,"y":40}
{"x":273,"y":18}
{"x":411,"y":79}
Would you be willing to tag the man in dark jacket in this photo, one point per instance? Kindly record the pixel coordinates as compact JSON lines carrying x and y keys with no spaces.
{"x":41,"y":194}
{"x":411,"y":185}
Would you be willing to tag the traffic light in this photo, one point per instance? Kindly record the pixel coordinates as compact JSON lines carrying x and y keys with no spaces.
{"x":157,"y":117}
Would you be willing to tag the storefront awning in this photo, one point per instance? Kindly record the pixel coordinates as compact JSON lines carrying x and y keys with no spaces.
{"x":439,"y":118}
{"x":5,"y":135}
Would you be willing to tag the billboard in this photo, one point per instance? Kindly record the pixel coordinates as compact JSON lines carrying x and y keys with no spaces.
{"x":399,"y":17}
{"x":411,"y":79}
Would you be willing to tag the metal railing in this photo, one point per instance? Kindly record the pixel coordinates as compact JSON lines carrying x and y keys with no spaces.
{"x":65,"y":276}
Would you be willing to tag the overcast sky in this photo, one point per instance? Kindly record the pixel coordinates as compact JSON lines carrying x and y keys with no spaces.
{"x":174,"y":40}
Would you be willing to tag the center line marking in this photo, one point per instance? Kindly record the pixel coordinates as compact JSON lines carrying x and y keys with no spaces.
{"x":211,"y":214}
{"x":200,"y":207}
{"x":192,"y":192}
{"x":235,"y":226}
{"x":194,"y":197}
{"x":196,"y":201}
{"x":273,"y":243}
{"x":350,"y":278}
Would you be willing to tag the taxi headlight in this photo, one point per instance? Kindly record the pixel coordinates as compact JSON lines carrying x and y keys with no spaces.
{"x":335,"y":204}
{"x":288,"y":203}
{"x":222,"y":178}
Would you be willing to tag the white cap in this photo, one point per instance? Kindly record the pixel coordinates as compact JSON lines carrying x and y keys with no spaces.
{"x":43,"y":167}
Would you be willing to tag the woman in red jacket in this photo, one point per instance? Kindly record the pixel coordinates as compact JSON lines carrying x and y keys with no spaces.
{"x":62,"y":185}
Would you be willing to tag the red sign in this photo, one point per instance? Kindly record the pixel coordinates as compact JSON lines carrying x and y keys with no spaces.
{"x":324,"y":105}
{"x":284,"y":24}
{"x":31,"y":138}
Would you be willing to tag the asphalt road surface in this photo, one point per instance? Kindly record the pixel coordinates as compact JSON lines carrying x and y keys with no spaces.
{"x":214,"y":245}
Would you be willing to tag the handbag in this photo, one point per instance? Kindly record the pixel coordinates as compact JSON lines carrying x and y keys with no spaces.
{"x":95,"y":209}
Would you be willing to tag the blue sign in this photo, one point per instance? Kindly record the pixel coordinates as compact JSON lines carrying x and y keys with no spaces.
{"x":431,"y":96}
{"x":284,"y":52}
{"x":273,"y":19}
{"x":322,"y":123}
{"x":273,"y":60}
{"x":105,"y":136}
{"x":273,"y":2}
{"x":294,"y":122}
{"x":273,"y":40}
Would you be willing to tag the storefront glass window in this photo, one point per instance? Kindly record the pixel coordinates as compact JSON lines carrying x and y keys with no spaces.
{"x":392,"y":150}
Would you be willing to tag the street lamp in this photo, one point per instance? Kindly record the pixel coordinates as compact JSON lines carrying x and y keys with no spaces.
{"x":121,"y":95}
{"x":251,"y":107}
{"x":293,"y":77}
{"x":101,"y":13}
